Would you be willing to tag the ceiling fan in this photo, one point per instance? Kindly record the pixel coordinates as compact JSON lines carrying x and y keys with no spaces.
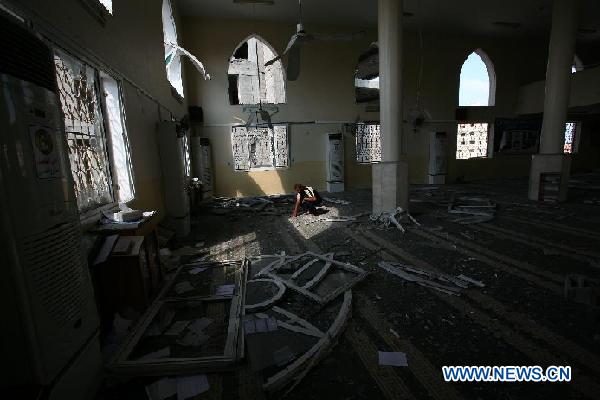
{"x":302,"y":37}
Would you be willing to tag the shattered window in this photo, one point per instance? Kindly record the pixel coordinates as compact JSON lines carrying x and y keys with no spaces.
{"x":368,"y":143}
{"x":259,"y":148}
{"x":366,"y":77}
{"x":571,"y":137}
{"x":77,"y":84}
{"x":118,"y":140}
{"x":471,"y":141}
{"x":250,"y":81}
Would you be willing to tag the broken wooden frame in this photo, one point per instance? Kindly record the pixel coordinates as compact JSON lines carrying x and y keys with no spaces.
{"x":268,"y":302}
{"x":441,"y":282}
{"x":233,"y":348}
{"x":298,"y":369}
{"x":272,"y":269}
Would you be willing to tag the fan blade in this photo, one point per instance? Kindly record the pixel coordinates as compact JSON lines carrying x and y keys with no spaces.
{"x":293,"y":65}
{"x":294,"y":41}
{"x":338,"y":37}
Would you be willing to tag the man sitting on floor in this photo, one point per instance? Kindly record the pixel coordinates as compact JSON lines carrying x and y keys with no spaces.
{"x":307,"y":198}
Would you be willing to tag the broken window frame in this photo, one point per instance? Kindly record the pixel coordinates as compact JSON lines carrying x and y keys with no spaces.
{"x":270,"y":271}
{"x":280,"y":155}
{"x":277,"y":75}
{"x":117,"y":138}
{"x":368,"y":142}
{"x":74,"y":132}
{"x":466,"y":146}
{"x":368,"y":57}
{"x":106,"y":137}
{"x":234,"y":346}
{"x":172,"y":56}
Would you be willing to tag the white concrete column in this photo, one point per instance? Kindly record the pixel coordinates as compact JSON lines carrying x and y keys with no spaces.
{"x":390,"y":87}
{"x":550,"y":170}
{"x":390,"y":176}
{"x":558,"y":75}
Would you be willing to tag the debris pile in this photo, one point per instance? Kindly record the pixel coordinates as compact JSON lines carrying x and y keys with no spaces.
{"x":441,"y":282}
{"x":387,"y":219}
{"x":284,"y":313}
{"x":263,"y":205}
{"x":285,"y":342}
{"x":472,"y":210}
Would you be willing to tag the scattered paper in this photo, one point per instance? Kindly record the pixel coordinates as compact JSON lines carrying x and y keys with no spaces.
{"x":199,"y":245}
{"x":177,"y":328}
{"x":225,"y":290}
{"x":183,"y":287}
{"x":393,"y":358}
{"x":197,"y":270}
{"x":162,"y":353}
{"x":162,"y":389}
{"x":191,"y":386}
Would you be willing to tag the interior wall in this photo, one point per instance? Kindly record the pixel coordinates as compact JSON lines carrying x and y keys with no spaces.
{"x":325,"y":92}
{"x":130,"y":45}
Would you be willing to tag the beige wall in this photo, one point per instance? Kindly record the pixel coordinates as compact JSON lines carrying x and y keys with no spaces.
{"x":131,"y":45}
{"x":585,"y":91}
{"x":325,"y":91}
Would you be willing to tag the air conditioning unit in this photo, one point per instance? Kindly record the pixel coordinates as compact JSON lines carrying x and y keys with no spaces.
{"x":49,"y":318}
{"x":174,"y":156}
{"x":202,"y":164}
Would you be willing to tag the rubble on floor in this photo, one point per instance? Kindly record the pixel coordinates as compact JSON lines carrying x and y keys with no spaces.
{"x":194,"y":325}
{"x":263,"y":205}
{"x":396,"y":218}
{"x":472,"y":210}
{"x":282,"y":312}
{"x":434,"y":280}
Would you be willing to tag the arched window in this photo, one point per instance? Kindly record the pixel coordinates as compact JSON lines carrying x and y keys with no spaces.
{"x":477,"y":81}
{"x":366,"y":76}
{"x":250,"y":81}
{"x":172,"y":56}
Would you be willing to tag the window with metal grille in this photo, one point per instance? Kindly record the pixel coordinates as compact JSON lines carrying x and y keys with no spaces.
{"x":368,"y":143}
{"x":471,"y":141}
{"x":78,"y":90}
{"x":571,"y":137}
{"x":259,"y":148}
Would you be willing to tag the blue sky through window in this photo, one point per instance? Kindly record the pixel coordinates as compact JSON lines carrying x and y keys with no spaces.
{"x":474,"y":82}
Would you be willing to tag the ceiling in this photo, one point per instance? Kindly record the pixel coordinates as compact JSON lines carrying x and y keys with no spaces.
{"x":532,"y":17}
